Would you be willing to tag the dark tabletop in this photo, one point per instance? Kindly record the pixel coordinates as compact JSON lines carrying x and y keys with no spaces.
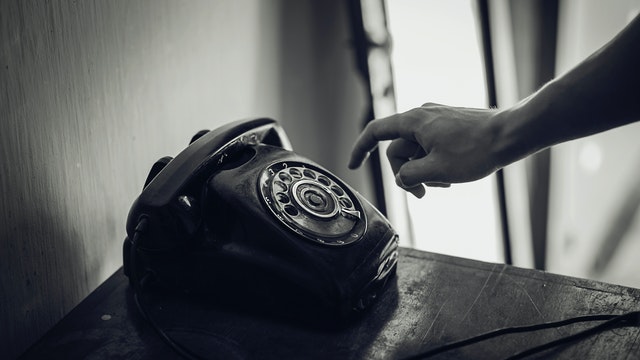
{"x":433,"y":300}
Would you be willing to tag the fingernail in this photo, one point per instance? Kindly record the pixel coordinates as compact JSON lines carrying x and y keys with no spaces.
{"x":399,"y":181}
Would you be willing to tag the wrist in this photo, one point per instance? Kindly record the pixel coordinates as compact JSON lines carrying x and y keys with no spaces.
{"x":531,"y":124}
{"x":513,"y":139}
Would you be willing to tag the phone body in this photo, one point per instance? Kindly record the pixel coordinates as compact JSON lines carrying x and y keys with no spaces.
{"x":239,"y":214}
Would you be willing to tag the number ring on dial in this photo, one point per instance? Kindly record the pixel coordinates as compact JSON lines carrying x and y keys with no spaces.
{"x":315,"y":199}
{"x":312,"y":203}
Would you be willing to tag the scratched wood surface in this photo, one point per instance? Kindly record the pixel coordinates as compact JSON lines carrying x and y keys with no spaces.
{"x":435,"y":299}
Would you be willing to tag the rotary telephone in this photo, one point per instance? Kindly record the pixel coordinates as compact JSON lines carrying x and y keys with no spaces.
{"x":238,"y":214}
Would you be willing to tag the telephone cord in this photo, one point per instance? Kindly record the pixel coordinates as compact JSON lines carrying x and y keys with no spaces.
{"x":138,"y":285}
{"x":610,"y":320}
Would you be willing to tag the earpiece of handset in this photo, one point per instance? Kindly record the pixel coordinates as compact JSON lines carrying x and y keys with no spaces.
{"x":198,"y":135}
{"x":156,"y":168}
{"x":162,"y":162}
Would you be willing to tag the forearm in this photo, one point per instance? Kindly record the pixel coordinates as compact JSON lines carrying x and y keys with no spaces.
{"x":601,"y":93}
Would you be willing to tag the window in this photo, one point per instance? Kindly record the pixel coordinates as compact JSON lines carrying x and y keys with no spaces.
{"x":436,"y":57}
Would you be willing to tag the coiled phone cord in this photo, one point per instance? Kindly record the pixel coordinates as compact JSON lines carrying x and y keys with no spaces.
{"x":610,"y":321}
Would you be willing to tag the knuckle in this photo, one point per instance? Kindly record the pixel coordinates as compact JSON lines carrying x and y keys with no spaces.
{"x":414,"y":117}
{"x":367,"y":127}
{"x":393,"y":150}
{"x":390,"y":151}
{"x":371,"y":128}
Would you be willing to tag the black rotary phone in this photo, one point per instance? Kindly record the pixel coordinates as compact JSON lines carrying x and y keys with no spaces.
{"x":239,"y":214}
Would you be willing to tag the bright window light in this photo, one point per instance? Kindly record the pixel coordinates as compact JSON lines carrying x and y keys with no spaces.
{"x":436,"y":57}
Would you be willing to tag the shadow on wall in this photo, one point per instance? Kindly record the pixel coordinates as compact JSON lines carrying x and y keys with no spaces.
{"x":47,"y":266}
{"x":58,"y":223}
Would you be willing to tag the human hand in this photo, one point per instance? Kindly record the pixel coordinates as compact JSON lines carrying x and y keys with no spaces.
{"x":434,"y":145}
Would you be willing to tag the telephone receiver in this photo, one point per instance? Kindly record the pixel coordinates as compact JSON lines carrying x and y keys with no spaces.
{"x":239,"y":215}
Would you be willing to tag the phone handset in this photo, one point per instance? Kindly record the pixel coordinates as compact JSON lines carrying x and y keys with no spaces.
{"x":173,"y":188}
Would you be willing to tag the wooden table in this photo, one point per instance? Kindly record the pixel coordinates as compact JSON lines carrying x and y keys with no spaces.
{"x":435,"y":299}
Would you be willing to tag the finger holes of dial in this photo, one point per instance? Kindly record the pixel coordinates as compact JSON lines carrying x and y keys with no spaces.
{"x":285,"y":177}
{"x":279,"y":186}
{"x":324,"y":180}
{"x":282,"y":198}
{"x":295,"y":173}
{"x":309,"y":174}
{"x":346,"y":203}
{"x":337,"y":190}
{"x":291,"y":210}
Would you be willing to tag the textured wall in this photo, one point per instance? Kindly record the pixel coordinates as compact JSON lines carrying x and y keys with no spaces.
{"x":92,"y":93}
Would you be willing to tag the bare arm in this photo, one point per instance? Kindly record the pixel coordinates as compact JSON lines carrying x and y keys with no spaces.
{"x":437,"y":145}
{"x":601,"y":93}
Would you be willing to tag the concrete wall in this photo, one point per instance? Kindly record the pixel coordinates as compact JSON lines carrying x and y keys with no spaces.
{"x":92,"y":93}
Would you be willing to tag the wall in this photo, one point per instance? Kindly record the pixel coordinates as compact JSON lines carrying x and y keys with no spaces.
{"x":92,"y":93}
{"x":594,"y":219}
{"x":322,"y":98}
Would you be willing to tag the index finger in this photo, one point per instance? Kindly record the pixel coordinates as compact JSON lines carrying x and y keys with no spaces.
{"x":388,"y":128}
